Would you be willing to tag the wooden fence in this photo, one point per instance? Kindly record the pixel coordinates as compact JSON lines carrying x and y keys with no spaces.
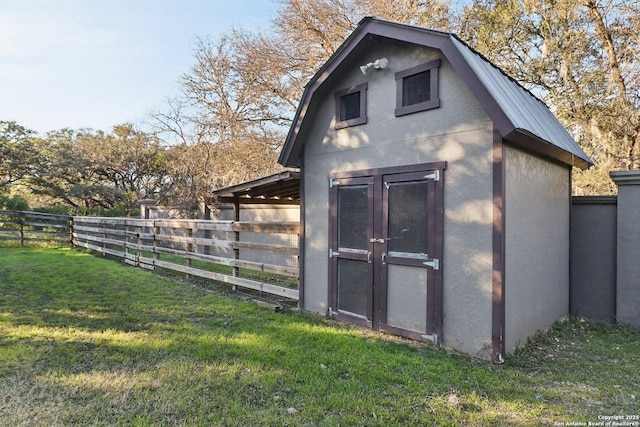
{"x":25,"y":227}
{"x":261,"y":256}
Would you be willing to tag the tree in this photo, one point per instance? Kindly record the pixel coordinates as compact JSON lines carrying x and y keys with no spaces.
{"x":578,"y":56}
{"x":18,"y":153}
{"x":581,"y":58}
{"x":241,"y":94}
{"x":130,"y":161}
{"x":89,"y":168}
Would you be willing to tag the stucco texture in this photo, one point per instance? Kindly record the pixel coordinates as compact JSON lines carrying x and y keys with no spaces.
{"x":537,"y":209}
{"x":628,"y":241}
{"x":459,"y":132}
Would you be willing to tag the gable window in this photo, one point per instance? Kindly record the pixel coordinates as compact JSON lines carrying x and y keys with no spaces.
{"x":417,"y":88}
{"x":351,"y":106}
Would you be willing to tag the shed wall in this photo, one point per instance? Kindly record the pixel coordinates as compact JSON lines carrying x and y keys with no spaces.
{"x":537,"y":209}
{"x":458,"y":132}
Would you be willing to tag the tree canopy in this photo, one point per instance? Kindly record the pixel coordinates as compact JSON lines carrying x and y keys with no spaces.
{"x":18,"y":153}
{"x":581,"y":57}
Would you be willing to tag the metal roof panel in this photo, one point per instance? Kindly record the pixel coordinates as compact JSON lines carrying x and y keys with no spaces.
{"x":526,"y":112}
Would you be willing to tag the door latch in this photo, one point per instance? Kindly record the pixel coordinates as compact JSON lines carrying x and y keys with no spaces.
{"x":374,"y":240}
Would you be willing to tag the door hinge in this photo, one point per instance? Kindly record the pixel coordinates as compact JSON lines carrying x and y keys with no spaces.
{"x":333,"y":253}
{"x":331,"y":313}
{"x":333,"y":183}
{"x":434,"y":263}
{"x":435,"y":175}
{"x":433,"y":338}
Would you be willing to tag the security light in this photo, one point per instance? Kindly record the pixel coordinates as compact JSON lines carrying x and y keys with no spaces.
{"x":378,"y":64}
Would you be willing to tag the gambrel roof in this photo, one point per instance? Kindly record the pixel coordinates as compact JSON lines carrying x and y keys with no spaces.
{"x":521,"y":119}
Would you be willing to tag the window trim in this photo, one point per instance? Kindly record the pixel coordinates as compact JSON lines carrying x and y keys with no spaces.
{"x":433,"y":102}
{"x":362,"y":88}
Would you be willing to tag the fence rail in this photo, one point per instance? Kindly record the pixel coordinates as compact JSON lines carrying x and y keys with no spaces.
{"x":28,"y":227}
{"x":261,"y":256}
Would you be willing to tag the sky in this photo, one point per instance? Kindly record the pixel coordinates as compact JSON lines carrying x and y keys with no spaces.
{"x":98,"y":63}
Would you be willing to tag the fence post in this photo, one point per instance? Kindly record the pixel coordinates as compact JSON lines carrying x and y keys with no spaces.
{"x":628,"y":246}
{"x":21,"y":229}
{"x":70,"y":224}
{"x":236,"y":233}
{"x":139,"y":230}
{"x":104,"y":236}
{"x":189,"y":249}
{"x":156,"y":243}
{"x":125,"y":239}
{"x":208,"y":234}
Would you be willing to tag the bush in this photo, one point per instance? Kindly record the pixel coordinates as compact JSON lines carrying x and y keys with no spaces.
{"x":14,"y":203}
{"x":116,"y":211}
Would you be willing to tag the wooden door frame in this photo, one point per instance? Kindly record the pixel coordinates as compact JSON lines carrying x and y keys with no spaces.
{"x":333,"y":243}
{"x":376,"y":229}
{"x":433,"y":308}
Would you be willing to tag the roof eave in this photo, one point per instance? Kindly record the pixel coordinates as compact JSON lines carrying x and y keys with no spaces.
{"x":525,"y":140}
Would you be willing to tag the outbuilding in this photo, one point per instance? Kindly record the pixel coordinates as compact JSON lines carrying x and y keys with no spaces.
{"x":435,"y":193}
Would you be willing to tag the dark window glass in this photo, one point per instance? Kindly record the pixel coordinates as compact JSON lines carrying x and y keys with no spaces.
{"x":408,"y":217}
{"x":353,"y":282}
{"x":416,"y":88}
{"x":352,"y":216}
{"x":350,"y":106}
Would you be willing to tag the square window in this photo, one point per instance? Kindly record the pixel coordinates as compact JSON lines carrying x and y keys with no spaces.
{"x":351,"y":106}
{"x":417,"y":88}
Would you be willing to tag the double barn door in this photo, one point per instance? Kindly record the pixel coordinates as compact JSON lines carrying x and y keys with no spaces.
{"x":386,"y":249}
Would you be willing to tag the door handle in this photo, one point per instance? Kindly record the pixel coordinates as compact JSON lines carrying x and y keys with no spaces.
{"x":369,"y":257}
{"x":384,"y":258}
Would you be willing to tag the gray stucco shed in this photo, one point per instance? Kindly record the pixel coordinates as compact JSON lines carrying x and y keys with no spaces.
{"x":445,"y":219}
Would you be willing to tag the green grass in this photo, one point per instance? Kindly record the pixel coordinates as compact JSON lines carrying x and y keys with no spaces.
{"x":88,"y":341}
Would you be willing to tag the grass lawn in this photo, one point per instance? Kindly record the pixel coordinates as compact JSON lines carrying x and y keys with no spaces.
{"x":88,"y":341}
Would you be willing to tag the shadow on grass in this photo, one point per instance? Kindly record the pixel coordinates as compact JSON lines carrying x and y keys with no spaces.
{"x":88,"y":341}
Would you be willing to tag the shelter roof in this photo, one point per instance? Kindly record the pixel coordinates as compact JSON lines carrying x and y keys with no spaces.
{"x":279,"y":188}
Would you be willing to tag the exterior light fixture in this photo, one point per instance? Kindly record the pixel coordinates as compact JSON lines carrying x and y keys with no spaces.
{"x":378,"y":64}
